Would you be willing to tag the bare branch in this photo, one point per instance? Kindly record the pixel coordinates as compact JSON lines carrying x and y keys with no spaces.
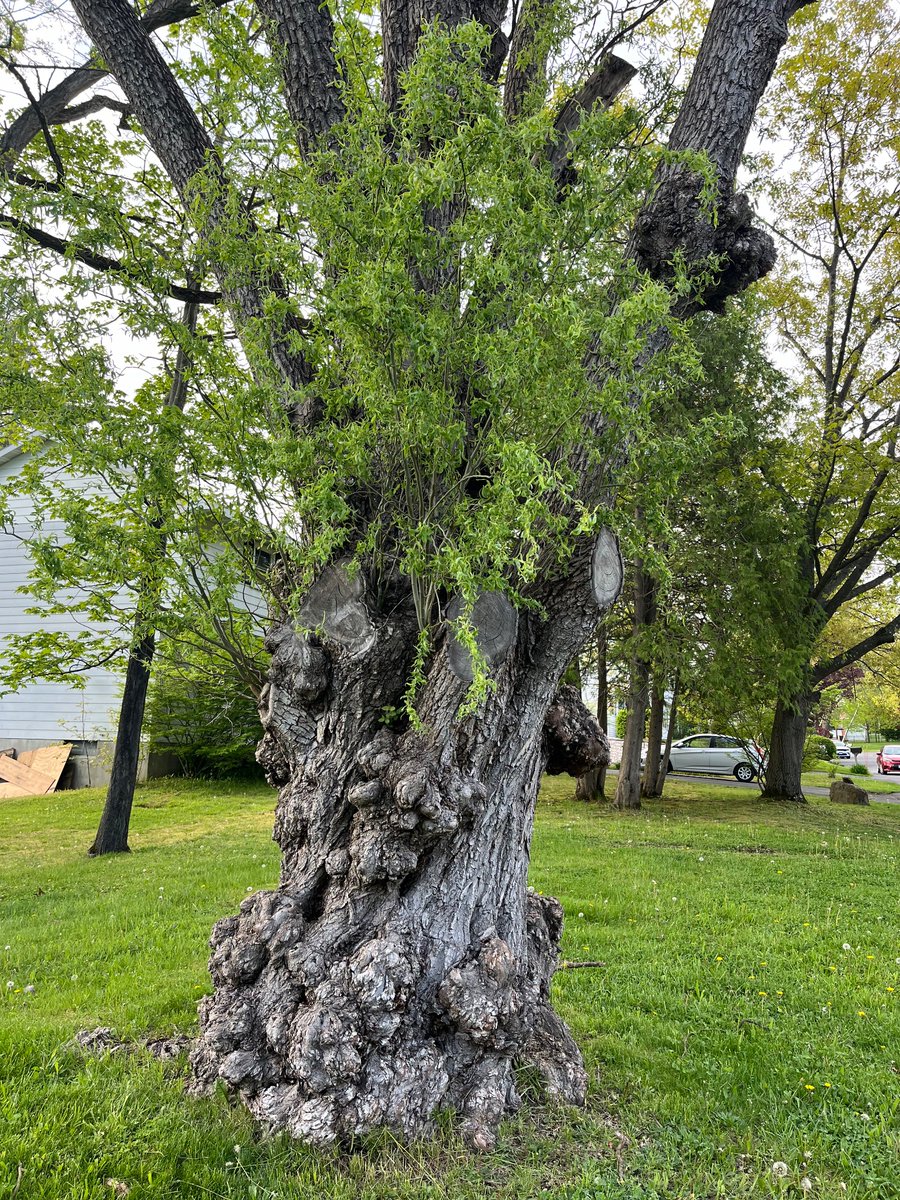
{"x":101,"y":262}
{"x":883,"y":636}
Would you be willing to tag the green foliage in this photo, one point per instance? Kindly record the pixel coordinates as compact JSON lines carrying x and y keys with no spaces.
{"x":621,"y":722}
{"x":859,"y":769}
{"x":742,"y":962}
{"x":817,"y":746}
{"x":205,"y":713}
{"x":448,"y":334}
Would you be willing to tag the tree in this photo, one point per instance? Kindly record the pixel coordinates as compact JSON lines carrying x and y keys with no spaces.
{"x":833,"y":305}
{"x":454,"y":306}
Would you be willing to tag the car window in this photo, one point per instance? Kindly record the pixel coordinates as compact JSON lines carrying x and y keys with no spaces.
{"x":698,"y":743}
{"x":891,"y":750}
{"x":725,"y":743}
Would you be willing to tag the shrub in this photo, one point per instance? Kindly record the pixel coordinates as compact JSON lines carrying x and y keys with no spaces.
{"x":824,"y":746}
{"x":621,"y":719}
{"x":859,"y":769}
{"x":202,"y":710}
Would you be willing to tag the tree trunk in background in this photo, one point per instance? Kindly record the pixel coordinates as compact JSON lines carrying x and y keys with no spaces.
{"x":628,"y":789}
{"x":591,"y":786}
{"x":785,"y":763}
{"x":112,"y":834}
{"x":663,"y":766}
{"x":654,"y":738}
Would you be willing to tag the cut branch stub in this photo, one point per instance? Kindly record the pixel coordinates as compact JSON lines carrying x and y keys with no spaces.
{"x":607,"y":573}
{"x":494,"y":621}
{"x":335,"y":605}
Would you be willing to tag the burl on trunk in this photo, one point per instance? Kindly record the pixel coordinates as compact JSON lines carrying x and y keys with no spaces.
{"x":402,"y":966}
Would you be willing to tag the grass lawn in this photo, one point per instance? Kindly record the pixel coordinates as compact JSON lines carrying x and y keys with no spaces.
{"x":746,"y":1013}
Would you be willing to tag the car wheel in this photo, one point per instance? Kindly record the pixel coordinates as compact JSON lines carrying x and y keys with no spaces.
{"x":743,"y":772}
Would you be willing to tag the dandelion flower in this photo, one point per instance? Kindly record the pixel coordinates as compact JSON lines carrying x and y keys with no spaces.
{"x":28,"y":989}
{"x":780,"y":1169}
{"x":720,"y":959}
{"x":846,"y":946}
{"x":580,"y":916}
{"x":809,"y":1087}
{"x":806,"y":1184}
{"x":860,"y":1012}
{"x":826,"y":1085}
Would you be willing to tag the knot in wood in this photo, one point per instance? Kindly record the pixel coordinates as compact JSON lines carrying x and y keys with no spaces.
{"x":723,"y":256}
{"x":480,"y":996}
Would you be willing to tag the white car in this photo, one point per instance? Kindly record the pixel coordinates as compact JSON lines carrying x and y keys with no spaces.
{"x":843,"y":751}
{"x":715,"y":754}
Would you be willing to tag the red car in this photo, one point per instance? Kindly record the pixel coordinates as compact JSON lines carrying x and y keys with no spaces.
{"x":888,"y":759}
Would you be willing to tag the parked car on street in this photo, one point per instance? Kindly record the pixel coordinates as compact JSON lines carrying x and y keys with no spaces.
{"x":715,"y":754}
{"x":843,"y":751}
{"x":888,"y":759}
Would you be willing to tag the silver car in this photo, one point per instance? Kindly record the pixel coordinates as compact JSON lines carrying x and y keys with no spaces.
{"x":715,"y":754}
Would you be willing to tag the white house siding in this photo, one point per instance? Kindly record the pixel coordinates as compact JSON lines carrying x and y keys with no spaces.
{"x":43,"y":713}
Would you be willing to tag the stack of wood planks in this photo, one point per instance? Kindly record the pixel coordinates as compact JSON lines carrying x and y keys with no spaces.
{"x":33,"y":772}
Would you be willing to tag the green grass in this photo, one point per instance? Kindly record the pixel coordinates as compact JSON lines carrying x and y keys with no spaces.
{"x":726,"y":1006}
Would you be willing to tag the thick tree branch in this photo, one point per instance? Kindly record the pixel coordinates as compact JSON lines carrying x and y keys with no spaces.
{"x":302,"y":32}
{"x":842,"y":556}
{"x":882,"y":636}
{"x":187,"y":154}
{"x":49,"y":107}
{"x":101,"y":262}
{"x":527,"y":69}
{"x":608,"y":80}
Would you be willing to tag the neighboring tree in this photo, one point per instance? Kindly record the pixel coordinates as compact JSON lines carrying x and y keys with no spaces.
{"x":836,"y":208}
{"x":456,"y":301}
{"x":112,"y":834}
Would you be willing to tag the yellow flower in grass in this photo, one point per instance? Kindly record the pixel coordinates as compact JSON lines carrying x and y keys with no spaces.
{"x":810,"y":1088}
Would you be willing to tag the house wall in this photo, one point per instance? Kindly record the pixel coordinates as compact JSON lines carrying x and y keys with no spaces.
{"x":43,"y":713}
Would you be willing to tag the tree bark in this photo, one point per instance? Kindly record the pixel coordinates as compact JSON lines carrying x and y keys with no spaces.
{"x":402,"y":966}
{"x":654,"y":738}
{"x":663,"y":765}
{"x":628,"y":788}
{"x":785,"y":764}
{"x":112,"y":833}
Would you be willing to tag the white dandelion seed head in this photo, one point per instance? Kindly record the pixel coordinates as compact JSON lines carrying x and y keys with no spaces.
{"x":806,"y":1184}
{"x":780,"y":1170}
{"x":846,"y":946}
{"x":29,"y":988}
{"x":10,"y":984}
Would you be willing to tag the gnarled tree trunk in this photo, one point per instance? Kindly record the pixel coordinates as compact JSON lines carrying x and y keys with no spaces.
{"x":402,"y":965}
